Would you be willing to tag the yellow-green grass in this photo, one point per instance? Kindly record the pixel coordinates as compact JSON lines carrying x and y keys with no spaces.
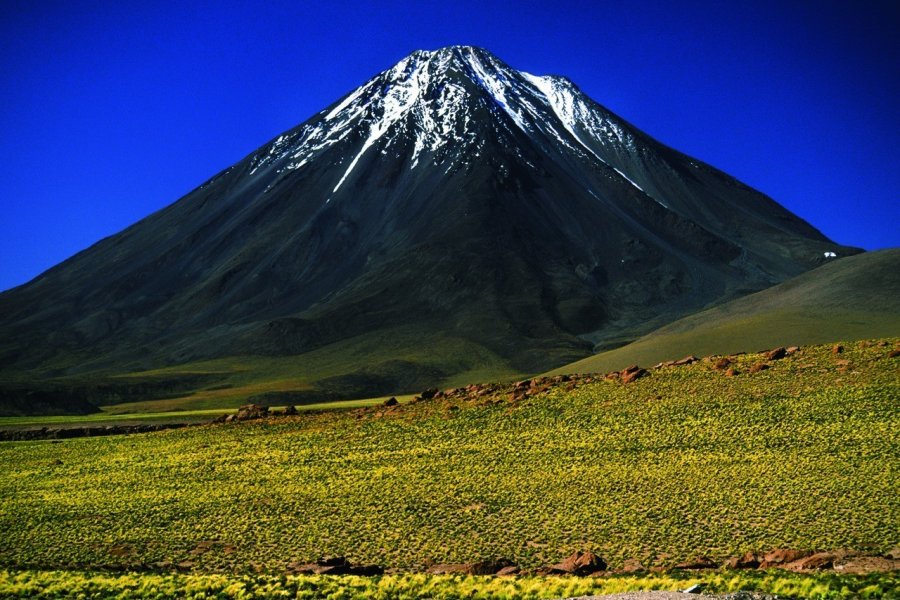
{"x":684,"y":462}
{"x":139,"y":586}
{"x":851,"y":299}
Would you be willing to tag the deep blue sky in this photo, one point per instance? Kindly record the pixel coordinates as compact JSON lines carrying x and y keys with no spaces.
{"x":112,"y":110}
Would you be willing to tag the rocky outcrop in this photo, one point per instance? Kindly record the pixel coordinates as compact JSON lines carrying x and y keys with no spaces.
{"x":335,"y":565}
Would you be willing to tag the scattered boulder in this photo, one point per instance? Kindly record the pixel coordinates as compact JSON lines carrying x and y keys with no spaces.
{"x":748,"y":561}
{"x":776,"y":353}
{"x":428,"y":394}
{"x":390,"y":402}
{"x":814,"y":562}
{"x":490,"y":567}
{"x":687,"y":360}
{"x":633,"y":565}
{"x":632,"y":373}
{"x":290,"y":411}
{"x":894,"y":353}
{"x":580,"y":563}
{"x":250,"y":412}
{"x":791,"y":350}
{"x":782,"y":556}
{"x":731,"y":372}
{"x":508,"y":571}
{"x":837,"y":349}
{"x":722,"y":363}
{"x":758,"y":367}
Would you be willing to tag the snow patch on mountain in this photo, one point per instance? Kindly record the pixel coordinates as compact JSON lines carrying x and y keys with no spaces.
{"x":426,"y":101}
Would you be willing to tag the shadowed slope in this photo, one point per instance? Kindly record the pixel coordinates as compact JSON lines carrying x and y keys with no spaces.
{"x":853,"y":298}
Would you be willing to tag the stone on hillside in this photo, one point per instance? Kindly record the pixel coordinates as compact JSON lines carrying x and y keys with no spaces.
{"x":758,"y":367}
{"x":748,"y":561}
{"x":731,"y":372}
{"x":390,"y":402}
{"x":629,"y":375}
{"x":837,"y":349}
{"x":722,"y":363}
{"x":781,"y":556}
{"x":489,"y":567}
{"x":581,"y":563}
{"x":687,"y":360}
{"x":249,"y":412}
{"x":429,"y":394}
{"x":290,"y":411}
{"x":776,"y":353}
{"x":792,"y":350}
{"x":633,"y":565}
{"x":814,"y":562}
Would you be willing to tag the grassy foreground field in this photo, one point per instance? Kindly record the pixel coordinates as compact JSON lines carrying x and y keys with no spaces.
{"x":683,"y":462}
{"x":57,"y":584}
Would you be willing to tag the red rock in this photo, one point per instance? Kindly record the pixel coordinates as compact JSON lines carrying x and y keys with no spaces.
{"x":685,"y":361}
{"x":758,"y":367}
{"x":792,"y":350}
{"x":630,"y":376}
{"x":581,"y":563}
{"x":508,"y":571}
{"x":893,"y":353}
{"x":747,"y":561}
{"x":782,"y":556}
{"x":722,"y":363}
{"x":776,"y":354}
{"x":817,"y":561}
{"x":633,"y":565}
{"x":249,"y":412}
{"x":731,"y":372}
{"x":837,"y":349}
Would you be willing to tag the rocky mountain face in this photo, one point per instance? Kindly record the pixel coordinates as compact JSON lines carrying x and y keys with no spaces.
{"x":449,"y":194}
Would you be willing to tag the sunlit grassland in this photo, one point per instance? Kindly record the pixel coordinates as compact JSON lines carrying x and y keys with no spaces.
{"x":56,"y":584}
{"x":683,"y":462}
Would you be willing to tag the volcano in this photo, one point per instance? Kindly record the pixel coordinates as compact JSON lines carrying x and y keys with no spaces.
{"x":450,"y":212}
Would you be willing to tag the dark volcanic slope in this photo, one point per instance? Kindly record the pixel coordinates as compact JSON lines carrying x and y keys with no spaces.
{"x":449,"y":193}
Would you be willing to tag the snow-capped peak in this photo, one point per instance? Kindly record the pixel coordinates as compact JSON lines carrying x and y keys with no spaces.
{"x":430,"y":99}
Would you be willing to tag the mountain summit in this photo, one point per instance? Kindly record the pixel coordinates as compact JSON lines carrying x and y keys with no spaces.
{"x":450,"y":214}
